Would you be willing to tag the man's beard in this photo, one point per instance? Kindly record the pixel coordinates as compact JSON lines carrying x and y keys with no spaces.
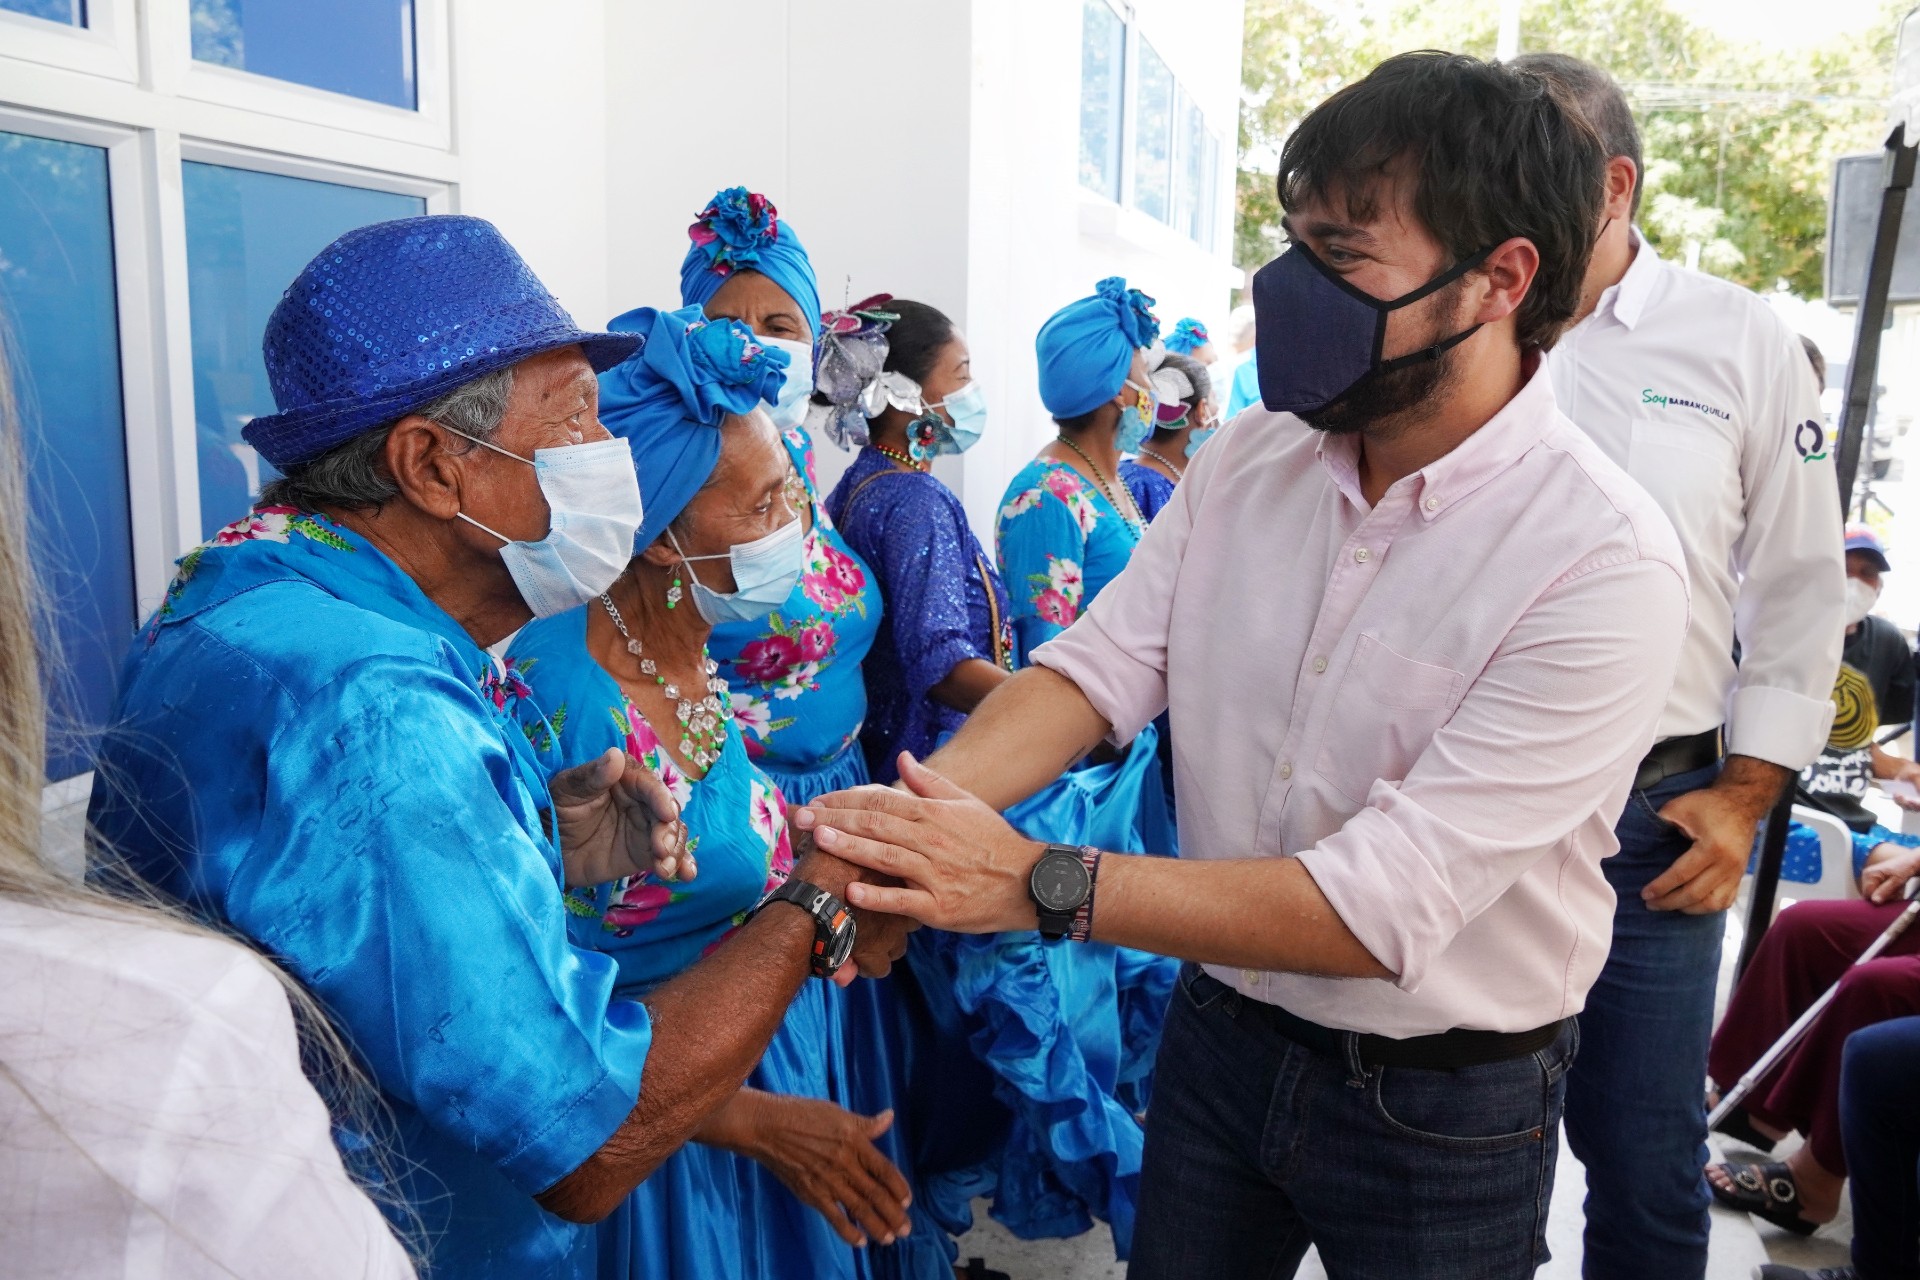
{"x":1391,"y":400}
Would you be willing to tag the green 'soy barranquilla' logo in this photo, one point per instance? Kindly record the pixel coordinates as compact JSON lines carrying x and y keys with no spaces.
{"x":1810,"y":441}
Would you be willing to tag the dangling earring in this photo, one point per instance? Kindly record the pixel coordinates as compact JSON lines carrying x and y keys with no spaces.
{"x":674,"y":593}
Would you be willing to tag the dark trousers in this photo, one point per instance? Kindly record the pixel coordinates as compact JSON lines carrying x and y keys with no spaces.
{"x":1258,"y":1147}
{"x":1880,"y":1122}
{"x":1809,"y":948}
{"x":1636,"y":1113}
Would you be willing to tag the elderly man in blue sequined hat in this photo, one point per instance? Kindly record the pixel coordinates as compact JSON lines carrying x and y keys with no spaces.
{"x":314,"y":748}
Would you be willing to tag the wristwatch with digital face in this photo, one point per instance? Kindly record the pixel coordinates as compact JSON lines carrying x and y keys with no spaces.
{"x":1061,"y":886}
{"x":833,"y":930}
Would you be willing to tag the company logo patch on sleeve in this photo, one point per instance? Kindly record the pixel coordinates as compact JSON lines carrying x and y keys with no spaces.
{"x":1810,"y":441}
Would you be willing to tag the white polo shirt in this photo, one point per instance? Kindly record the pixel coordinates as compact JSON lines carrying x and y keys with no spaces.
{"x":1705,"y":396}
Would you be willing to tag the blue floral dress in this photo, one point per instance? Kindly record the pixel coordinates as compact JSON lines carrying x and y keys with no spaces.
{"x":705,"y":1212}
{"x":798,"y":694}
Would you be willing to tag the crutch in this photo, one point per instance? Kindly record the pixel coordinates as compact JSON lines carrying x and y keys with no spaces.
{"x":1784,"y":1045}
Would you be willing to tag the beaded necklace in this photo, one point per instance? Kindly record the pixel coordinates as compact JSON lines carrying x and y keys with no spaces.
{"x":900,"y":458}
{"x":1136,"y":521}
{"x":1161,"y":458}
{"x":702,"y":725}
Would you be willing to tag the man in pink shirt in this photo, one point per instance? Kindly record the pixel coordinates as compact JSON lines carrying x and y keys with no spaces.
{"x":1415,"y":632}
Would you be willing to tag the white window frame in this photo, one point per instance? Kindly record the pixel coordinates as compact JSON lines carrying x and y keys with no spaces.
{"x":430,"y":124}
{"x":106,"y":46}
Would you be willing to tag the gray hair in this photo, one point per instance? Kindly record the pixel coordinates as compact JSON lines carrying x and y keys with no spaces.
{"x":1240,"y":323}
{"x":353,"y":476}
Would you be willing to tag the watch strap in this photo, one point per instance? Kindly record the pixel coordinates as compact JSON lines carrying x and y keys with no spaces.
{"x":829,"y":917}
{"x":1082,"y":927}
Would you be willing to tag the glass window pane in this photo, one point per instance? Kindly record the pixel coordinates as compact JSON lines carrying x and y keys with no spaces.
{"x":1191,"y":159}
{"x":1153,"y":137}
{"x":363,"y":48}
{"x":1103,"y":53}
{"x":248,"y":235}
{"x":72,"y":13}
{"x":61,"y":331}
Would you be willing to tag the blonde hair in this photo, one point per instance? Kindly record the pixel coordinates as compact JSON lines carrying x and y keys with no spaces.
{"x":29,"y":655}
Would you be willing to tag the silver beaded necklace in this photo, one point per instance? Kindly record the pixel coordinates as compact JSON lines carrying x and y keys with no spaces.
{"x":702,"y":725}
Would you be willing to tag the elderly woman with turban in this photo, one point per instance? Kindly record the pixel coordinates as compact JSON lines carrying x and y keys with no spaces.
{"x":794,"y":671}
{"x":631,"y":670}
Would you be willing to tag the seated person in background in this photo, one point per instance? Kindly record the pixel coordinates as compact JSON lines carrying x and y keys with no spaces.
{"x":1880,"y":1130}
{"x":721,"y":539}
{"x":1810,"y":947}
{"x":312,"y":748}
{"x":1184,"y":417}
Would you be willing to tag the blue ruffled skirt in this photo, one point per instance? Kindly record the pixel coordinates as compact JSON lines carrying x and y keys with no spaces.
{"x":1064,"y":1036}
{"x":803,"y":786}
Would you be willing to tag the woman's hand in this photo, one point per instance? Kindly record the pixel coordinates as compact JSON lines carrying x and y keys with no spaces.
{"x":825,"y":1156}
{"x":1882,"y":881}
{"x":617,"y":818}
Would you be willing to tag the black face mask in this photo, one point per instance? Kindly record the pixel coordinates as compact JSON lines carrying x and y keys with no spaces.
{"x":1317,"y":337}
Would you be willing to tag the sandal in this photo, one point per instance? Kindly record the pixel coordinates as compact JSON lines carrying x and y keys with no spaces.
{"x":1767,"y":1191}
{"x":1739,"y":1126}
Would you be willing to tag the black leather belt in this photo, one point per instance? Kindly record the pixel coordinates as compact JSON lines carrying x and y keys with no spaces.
{"x":1446,"y":1051}
{"x":1672,"y":756}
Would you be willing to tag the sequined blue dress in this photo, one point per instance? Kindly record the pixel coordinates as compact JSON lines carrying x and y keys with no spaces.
{"x":795,"y":675}
{"x":706,"y":1212}
{"x":1151,"y":490}
{"x":311,"y":752}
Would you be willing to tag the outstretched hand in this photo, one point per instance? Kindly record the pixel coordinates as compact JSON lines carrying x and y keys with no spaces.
{"x":961,"y":865}
{"x":617,"y":818}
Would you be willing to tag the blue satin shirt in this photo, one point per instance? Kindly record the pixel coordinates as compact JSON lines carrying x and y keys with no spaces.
{"x":309,"y":751}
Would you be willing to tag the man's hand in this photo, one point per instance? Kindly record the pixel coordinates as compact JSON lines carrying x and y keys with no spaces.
{"x":825,"y":1156}
{"x":617,"y":818}
{"x":1885,"y":880}
{"x":1721,"y":820}
{"x":963,"y":867}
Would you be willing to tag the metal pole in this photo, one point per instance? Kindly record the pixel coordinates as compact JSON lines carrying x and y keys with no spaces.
{"x":1862,"y":371}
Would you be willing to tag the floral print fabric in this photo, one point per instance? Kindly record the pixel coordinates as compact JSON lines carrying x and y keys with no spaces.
{"x":1060,"y":542}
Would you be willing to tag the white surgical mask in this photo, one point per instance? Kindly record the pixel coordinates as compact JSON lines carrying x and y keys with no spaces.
{"x":790,"y":410}
{"x":765,"y":572}
{"x":1861,"y":597}
{"x":967,"y":408}
{"x":593,"y":512}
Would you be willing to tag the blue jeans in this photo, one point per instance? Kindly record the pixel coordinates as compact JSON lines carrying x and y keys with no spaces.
{"x":1258,"y":1146}
{"x":1880,"y":1125}
{"x":1636,"y":1113}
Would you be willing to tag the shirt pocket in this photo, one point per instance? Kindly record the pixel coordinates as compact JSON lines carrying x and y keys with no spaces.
{"x":1692,"y":473}
{"x":1385,"y":712}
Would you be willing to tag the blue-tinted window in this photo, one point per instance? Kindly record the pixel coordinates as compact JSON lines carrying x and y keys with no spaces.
{"x":1153,"y":138}
{"x":248,"y":235}
{"x":363,"y":48}
{"x":72,"y":13}
{"x":62,"y":343}
{"x":1103,"y":52}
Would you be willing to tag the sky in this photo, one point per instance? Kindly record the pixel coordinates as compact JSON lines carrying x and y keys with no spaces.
{"x":1782,"y":23}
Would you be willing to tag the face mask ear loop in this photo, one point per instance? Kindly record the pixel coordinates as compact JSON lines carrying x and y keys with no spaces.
{"x":476,"y":524}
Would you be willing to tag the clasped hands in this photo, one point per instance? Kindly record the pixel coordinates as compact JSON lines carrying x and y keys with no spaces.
{"x":616,"y":818}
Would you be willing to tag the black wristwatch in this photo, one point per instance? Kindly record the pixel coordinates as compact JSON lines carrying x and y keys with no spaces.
{"x":1061,"y":885}
{"x":833,"y":929}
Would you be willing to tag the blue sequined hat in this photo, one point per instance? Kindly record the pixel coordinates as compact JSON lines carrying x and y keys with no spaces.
{"x":391,"y":316}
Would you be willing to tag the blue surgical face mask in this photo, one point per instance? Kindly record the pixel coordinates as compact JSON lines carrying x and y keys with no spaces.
{"x":765,"y":572}
{"x":1136,"y":421}
{"x":1317,"y":336}
{"x":790,"y":410}
{"x":967,"y":408}
{"x":593,"y":511}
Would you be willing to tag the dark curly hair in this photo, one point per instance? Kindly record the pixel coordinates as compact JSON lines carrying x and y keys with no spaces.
{"x":1492,"y":152}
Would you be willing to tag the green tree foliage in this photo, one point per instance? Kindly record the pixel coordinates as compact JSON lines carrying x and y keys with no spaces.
{"x":1739,"y":141}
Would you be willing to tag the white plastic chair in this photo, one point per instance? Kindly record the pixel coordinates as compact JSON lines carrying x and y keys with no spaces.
{"x":1836,"y":867}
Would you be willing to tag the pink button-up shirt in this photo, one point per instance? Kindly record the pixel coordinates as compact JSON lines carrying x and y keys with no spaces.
{"x":1436,"y":703}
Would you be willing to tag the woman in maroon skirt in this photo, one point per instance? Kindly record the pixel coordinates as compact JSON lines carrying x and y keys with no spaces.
{"x":1810,"y":947}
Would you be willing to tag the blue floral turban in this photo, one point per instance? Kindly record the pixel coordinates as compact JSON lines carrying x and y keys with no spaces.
{"x":1087,"y":347}
{"x":741,"y":228}
{"x":668,"y":399}
{"x":1188,"y":336}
